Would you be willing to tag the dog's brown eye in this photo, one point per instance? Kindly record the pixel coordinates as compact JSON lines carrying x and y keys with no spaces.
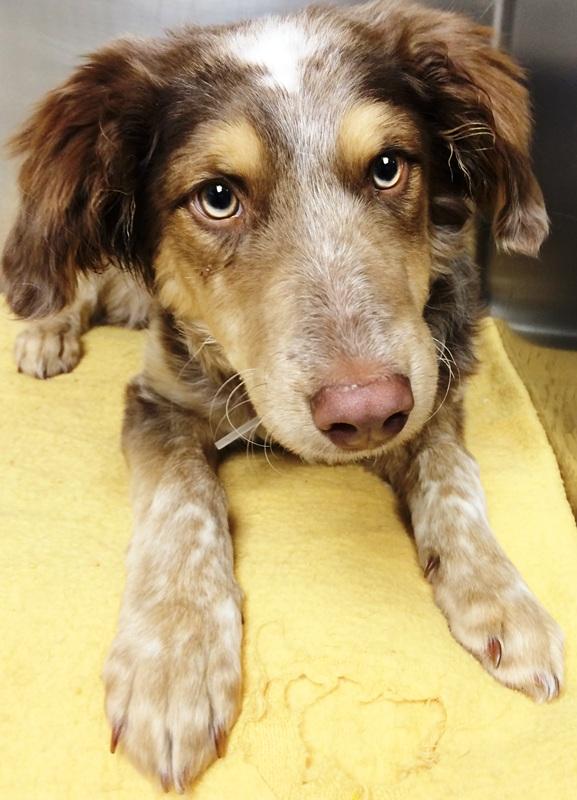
{"x":387,"y":170}
{"x":218,"y":201}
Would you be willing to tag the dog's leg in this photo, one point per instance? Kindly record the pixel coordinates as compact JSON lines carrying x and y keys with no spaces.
{"x":490,"y":609}
{"x":173,"y":675}
{"x":52,"y":345}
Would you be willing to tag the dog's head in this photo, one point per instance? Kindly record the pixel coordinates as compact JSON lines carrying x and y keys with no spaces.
{"x":296,"y":186}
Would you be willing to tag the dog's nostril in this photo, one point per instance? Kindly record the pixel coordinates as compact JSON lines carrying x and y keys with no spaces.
{"x":343,"y":427}
{"x":395,"y":423}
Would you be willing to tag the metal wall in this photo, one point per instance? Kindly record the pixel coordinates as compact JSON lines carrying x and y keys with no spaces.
{"x":538,"y":298}
{"x":42,"y":40}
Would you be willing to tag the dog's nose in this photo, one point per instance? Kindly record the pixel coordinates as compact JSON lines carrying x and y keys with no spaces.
{"x":365,"y":416}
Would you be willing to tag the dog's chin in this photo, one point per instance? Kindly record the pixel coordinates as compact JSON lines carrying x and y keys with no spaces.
{"x":349,"y":456}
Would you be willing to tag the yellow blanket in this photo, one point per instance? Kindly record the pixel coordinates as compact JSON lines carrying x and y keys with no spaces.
{"x":354,"y":687}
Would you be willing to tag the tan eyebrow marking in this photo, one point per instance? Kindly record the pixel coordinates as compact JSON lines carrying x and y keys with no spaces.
{"x":231,"y":147}
{"x":368,"y":127}
{"x":236,"y":147}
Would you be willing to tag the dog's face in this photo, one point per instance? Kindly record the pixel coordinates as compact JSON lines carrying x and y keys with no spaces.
{"x":299,"y":233}
{"x":295,"y":187}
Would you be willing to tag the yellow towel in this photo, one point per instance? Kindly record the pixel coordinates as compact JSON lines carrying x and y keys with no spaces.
{"x":354,"y":688}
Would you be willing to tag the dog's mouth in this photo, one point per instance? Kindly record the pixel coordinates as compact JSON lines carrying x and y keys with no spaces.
{"x":349,"y":442}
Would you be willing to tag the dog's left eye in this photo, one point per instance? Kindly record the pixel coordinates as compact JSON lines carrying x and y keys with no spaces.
{"x":387,"y":170}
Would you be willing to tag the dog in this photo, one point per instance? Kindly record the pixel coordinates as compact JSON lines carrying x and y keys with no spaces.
{"x":290,"y":205}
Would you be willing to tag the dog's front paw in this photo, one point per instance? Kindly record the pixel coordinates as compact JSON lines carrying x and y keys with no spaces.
{"x":173,"y":687}
{"x":506,"y":628}
{"x":44,"y":350}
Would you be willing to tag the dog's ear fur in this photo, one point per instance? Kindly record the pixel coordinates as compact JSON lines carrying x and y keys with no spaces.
{"x":474,"y":97}
{"x":85,"y":149}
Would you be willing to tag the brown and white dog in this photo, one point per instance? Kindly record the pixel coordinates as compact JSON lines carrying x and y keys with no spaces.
{"x":290,"y":203}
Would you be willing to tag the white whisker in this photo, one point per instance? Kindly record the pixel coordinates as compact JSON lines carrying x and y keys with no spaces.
{"x":236,"y":375}
{"x":268,"y":448}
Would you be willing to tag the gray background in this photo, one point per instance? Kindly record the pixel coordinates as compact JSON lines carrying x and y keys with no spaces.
{"x":539,"y":298}
{"x":42,"y":40}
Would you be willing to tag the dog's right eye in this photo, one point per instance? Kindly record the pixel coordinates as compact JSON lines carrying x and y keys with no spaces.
{"x":217,"y":200}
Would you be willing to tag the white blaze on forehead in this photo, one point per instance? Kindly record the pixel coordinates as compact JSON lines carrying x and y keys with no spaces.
{"x":279,"y":47}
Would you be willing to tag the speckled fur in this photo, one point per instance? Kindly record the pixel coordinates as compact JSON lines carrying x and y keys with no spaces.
{"x":249,"y":319}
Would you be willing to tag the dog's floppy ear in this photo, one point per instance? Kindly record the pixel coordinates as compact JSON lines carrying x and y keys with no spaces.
{"x":474,"y":97}
{"x":85,"y":149}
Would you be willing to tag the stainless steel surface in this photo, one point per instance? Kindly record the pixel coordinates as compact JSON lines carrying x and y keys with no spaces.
{"x":539,"y":298}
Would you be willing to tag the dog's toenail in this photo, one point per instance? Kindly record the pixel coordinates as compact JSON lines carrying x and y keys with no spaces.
{"x":116,"y":731}
{"x":494,"y":651}
{"x":219,"y":738}
{"x":550,"y":683}
{"x":432,"y":565}
{"x":165,"y":782}
{"x":181,"y":783}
